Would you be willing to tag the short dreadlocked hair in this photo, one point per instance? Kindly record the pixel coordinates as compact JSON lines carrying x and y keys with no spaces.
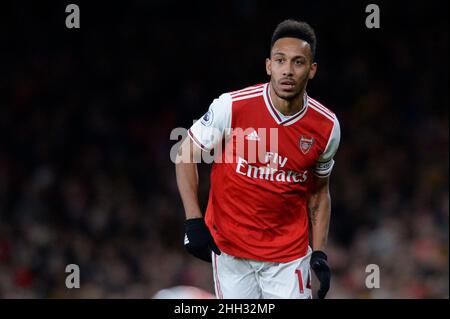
{"x":295,"y":29}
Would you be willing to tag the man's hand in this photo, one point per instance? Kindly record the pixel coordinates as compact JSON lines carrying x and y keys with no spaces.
{"x":322,"y":270}
{"x":198,"y":240}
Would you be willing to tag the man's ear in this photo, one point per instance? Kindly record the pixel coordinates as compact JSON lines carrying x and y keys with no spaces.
{"x":269,"y":67}
{"x":312,"y":71}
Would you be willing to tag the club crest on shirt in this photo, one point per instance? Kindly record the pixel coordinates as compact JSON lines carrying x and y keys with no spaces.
{"x":207,"y":119}
{"x":306,"y":143}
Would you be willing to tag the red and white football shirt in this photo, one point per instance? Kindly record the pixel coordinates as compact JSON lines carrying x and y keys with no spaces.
{"x":257,"y":206}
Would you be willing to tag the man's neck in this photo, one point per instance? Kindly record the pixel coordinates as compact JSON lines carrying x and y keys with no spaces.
{"x":287,"y":107}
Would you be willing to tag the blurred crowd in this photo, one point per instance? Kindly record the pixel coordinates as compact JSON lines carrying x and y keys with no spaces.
{"x":85,"y":122}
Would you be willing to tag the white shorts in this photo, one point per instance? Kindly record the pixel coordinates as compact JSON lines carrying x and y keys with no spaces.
{"x":239,"y":278}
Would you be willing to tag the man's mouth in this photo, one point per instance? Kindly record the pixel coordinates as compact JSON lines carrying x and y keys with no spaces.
{"x":287,"y":84}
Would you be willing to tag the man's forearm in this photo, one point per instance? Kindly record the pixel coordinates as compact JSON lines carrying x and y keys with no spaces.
{"x":197,"y":240}
{"x":319,"y":214}
{"x":187,"y":180}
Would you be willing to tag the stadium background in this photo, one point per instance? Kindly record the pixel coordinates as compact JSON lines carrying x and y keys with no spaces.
{"x":85,"y":118}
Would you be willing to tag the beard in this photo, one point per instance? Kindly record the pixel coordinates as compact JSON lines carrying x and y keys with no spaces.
{"x":287,"y":95}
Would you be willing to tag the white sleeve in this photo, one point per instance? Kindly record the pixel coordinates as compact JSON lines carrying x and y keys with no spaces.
{"x":325,"y":163}
{"x":209,"y":130}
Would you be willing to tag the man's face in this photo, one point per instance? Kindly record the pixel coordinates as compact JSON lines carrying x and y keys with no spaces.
{"x":290,"y":67}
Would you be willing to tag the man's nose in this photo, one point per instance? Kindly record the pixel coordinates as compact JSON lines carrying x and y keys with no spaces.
{"x":288,"y":70}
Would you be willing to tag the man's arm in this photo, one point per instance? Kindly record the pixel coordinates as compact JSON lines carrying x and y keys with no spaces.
{"x":205,"y":134}
{"x":187,"y":177}
{"x":319,"y":209}
{"x":319,"y":213}
{"x":198,"y":240}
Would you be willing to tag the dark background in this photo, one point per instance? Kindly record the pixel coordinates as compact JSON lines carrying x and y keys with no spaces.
{"x":86,"y":114}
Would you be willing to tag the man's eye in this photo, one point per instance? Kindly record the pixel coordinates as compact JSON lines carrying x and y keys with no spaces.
{"x":279,"y":60}
{"x":299,"y":62}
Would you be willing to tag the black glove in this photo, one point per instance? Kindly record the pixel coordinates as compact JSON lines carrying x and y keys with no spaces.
{"x":322,"y":270}
{"x":198,"y":240}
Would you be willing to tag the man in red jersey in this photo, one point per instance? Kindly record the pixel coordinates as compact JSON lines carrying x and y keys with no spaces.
{"x":274,"y":147}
